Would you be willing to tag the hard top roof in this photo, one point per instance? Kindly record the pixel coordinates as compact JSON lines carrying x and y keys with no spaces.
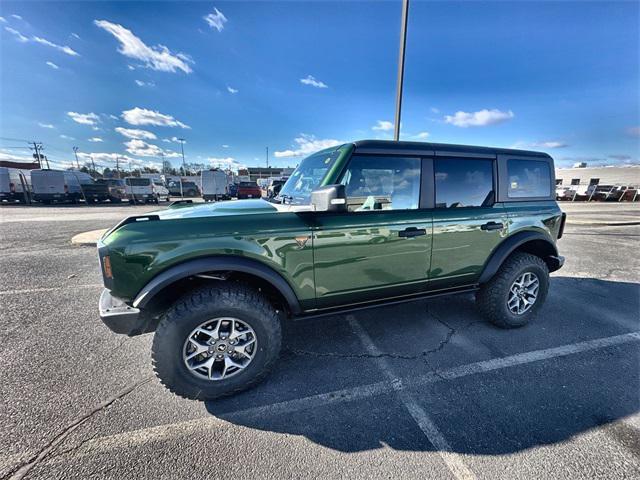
{"x":388,"y":146}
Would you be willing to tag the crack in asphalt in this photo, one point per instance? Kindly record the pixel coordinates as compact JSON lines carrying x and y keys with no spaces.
{"x":451,"y":331}
{"x":21,"y":470}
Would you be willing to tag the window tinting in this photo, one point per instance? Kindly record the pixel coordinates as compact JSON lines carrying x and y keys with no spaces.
{"x":382,"y":183}
{"x":575,"y":181}
{"x":463,"y":183}
{"x":528,"y":178}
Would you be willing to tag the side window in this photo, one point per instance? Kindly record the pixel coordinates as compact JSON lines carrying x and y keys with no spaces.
{"x":463,"y":182}
{"x":575,"y":181}
{"x":382,"y":183}
{"x":528,"y":178}
{"x":558,"y":182}
{"x":594,"y":181}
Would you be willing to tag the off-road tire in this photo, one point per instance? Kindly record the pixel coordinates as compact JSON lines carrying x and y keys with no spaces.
{"x":492,"y":296}
{"x":223,"y":299}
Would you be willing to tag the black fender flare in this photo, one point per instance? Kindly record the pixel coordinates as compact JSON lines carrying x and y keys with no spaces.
{"x":219,"y":263}
{"x":507,"y":247}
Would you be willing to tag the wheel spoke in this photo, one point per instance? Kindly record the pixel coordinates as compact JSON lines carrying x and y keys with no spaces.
{"x":242,"y":349}
{"x":199,"y":348}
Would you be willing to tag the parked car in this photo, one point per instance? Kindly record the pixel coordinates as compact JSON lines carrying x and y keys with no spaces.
{"x":116,"y":187}
{"x":15,"y":185}
{"x":140,"y":190}
{"x":214,"y":185}
{"x":93,"y":191}
{"x":63,"y":186}
{"x":249,"y":190}
{"x":160,"y":190}
{"x":362,"y":224}
{"x":189,"y":189}
{"x":273,"y":189}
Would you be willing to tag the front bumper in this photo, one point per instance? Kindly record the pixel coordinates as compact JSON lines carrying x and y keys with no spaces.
{"x":555,"y":263}
{"x":120,"y":317}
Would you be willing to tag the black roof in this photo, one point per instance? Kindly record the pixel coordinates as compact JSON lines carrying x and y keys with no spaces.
{"x":426,"y":148}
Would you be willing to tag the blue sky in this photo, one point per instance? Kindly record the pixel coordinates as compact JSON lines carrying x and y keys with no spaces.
{"x":128,"y":79}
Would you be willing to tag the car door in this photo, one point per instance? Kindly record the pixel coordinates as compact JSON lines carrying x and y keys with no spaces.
{"x":380,"y":247}
{"x":467,"y":222}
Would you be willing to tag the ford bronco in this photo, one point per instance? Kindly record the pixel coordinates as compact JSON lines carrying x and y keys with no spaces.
{"x":355,"y":226}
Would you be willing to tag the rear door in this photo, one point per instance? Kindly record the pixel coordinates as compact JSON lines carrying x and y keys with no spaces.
{"x":381,"y":247}
{"x":467,"y":221}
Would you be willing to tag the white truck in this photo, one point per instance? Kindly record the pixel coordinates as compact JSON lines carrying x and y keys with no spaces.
{"x":215,"y":185}
{"x":64,"y":185}
{"x":15,"y":185}
{"x":140,"y":190}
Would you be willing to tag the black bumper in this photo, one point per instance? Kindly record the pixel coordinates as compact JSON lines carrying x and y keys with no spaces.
{"x":555,"y":263}
{"x":120,"y":317}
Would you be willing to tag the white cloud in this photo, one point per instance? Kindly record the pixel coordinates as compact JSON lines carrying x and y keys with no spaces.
{"x":634,"y":131}
{"x":17,"y":34}
{"x":142,"y":116}
{"x":216,"y":19}
{"x":135,"y":133}
{"x":75,"y":35}
{"x":46,"y":125}
{"x":157,"y":57}
{"x":541,"y":144}
{"x":62,"y":48}
{"x":307,"y":144}
{"x":383,"y":126}
{"x":166,"y":140}
{"x":481,"y":118}
{"x":311,"y":80}
{"x":96,"y":140}
{"x":620,"y":157}
{"x":3,"y":20}
{"x":423,"y":135}
{"x":53,"y":65}
{"x":225,"y":146}
{"x":17,"y":17}
{"x":84,"y":118}
{"x":66,"y":137}
{"x":434,"y":110}
{"x":113,"y":117}
{"x":232,"y":90}
{"x":141,"y":148}
{"x":140,"y":83}
{"x":225,"y":163}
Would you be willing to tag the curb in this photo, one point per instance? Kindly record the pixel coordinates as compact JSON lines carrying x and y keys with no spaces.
{"x":603,"y":224}
{"x":88,"y":238}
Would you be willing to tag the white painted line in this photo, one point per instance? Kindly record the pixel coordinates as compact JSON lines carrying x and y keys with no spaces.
{"x":452,"y":460}
{"x":48,"y":289}
{"x":173,"y":430}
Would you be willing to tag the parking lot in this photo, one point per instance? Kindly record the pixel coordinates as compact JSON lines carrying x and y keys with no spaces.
{"x":421,"y":390}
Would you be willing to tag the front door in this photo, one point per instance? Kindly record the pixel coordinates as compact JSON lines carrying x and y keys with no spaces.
{"x":381,"y":247}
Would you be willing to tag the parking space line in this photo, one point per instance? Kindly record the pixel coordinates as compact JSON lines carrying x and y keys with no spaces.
{"x":47,"y":289}
{"x":454,"y":461}
{"x":172,"y":430}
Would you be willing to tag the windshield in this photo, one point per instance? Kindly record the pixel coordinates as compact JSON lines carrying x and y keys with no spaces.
{"x":307,"y":177}
{"x":138,"y":182}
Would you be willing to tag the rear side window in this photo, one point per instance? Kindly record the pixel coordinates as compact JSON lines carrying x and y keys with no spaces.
{"x":138,"y":182}
{"x":528,"y":178}
{"x":463,"y":183}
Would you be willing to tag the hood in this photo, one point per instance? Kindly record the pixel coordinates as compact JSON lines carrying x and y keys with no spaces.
{"x":234,"y":207}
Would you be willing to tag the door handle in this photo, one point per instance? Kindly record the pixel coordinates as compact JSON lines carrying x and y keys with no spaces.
{"x":492,"y":226}
{"x":411,"y":232}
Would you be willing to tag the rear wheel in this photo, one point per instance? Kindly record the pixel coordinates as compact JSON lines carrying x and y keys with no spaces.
{"x":515,"y":294}
{"x":216,"y":341}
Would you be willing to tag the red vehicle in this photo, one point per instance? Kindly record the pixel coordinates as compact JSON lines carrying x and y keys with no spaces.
{"x":249,"y":190}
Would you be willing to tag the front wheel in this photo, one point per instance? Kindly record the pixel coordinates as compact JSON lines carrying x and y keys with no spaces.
{"x":515,"y":294}
{"x":216,"y":341}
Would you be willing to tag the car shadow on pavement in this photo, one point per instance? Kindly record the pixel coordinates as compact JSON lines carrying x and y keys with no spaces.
{"x":508,"y":409}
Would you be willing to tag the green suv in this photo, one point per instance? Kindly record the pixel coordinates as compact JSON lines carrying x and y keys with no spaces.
{"x":355,"y":226}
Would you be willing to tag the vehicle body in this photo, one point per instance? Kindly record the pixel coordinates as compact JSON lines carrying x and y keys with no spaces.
{"x":140,"y":190}
{"x":249,"y":190}
{"x":214,"y":185}
{"x":359,"y":225}
{"x":92,"y":191}
{"x":116,"y":188}
{"x":15,"y":185}
{"x":62,"y":186}
{"x":189,"y":189}
{"x":233,"y":190}
{"x":274,"y":187}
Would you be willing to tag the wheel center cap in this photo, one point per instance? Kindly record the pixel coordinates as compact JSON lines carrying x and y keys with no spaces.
{"x":222,"y":347}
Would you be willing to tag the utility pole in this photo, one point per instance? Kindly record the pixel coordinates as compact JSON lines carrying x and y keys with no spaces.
{"x":37,"y":147}
{"x":267,"y":157}
{"x":184,"y":168}
{"x":93,"y":165}
{"x":403,"y":44}
{"x":118,"y":165}
{"x":75,"y":152}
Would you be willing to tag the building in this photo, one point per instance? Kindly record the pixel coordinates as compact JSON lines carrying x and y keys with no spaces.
{"x":618,"y":175}
{"x":257,"y":173}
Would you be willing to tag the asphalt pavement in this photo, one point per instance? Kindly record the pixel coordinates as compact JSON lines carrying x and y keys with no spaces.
{"x":421,"y":390}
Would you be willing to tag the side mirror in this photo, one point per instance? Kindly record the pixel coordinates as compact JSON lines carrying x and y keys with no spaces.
{"x":331,"y":198}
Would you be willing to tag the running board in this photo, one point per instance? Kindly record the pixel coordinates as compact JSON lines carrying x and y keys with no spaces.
{"x":384,"y":303}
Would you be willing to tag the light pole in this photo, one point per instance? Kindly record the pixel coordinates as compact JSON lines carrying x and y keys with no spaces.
{"x":184,"y":168}
{"x":75,"y":152}
{"x":403,"y":43}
